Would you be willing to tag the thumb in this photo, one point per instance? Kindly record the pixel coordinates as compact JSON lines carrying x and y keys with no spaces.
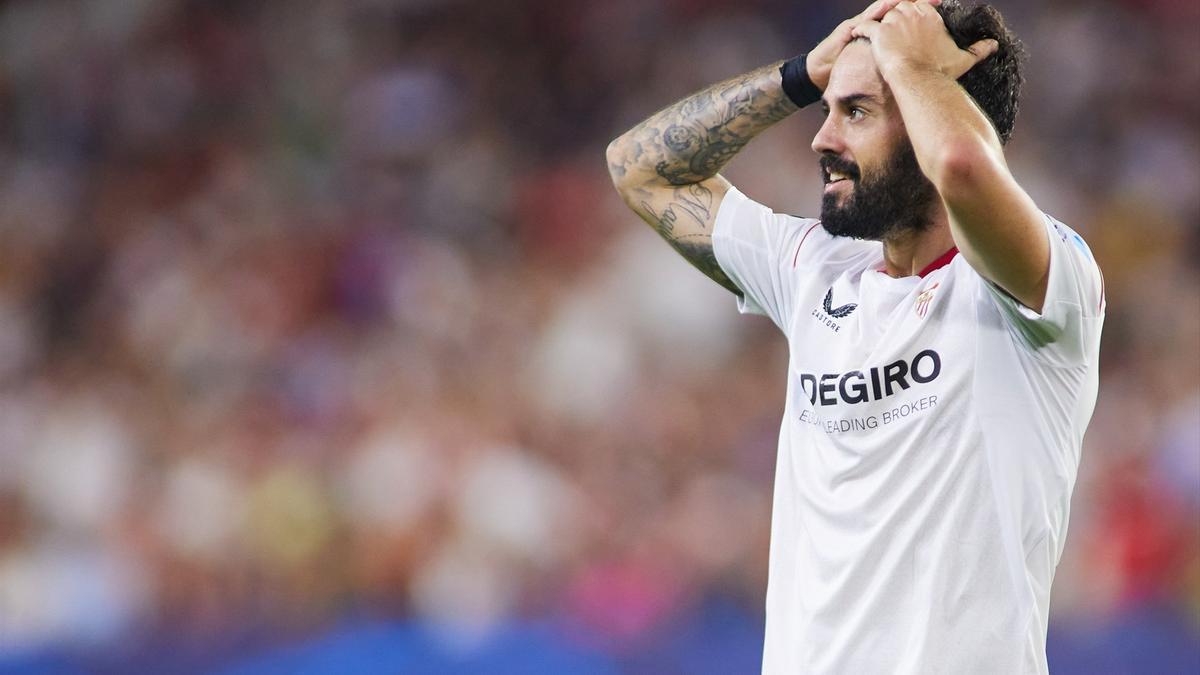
{"x":983,"y":49}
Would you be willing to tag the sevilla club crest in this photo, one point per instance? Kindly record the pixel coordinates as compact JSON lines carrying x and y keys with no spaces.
{"x":924,"y":299}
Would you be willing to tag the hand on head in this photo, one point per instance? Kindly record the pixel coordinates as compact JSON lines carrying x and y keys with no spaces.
{"x":913,"y":33}
{"x":824,"y":55}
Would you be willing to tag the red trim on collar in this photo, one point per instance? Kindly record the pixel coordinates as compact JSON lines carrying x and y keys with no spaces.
{"x":940,"y":262}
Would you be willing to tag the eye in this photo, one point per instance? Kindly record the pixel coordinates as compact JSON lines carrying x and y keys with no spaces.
{"x":856,"y":113}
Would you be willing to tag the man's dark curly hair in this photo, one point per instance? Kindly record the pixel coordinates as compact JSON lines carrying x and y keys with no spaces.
{"x":995,"y":82}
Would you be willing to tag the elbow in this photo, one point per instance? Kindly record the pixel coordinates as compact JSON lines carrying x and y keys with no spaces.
{"x":627,"y":177}
{"x":961,"y":167}
{"x":618,"y":169}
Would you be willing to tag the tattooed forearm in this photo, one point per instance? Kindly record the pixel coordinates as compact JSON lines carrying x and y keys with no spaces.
{"x":698,"y":250}
{"x":693,"y":204}
{"x":666,"y":167}
{"x":691,"y":201}
{"x":691,"y":140}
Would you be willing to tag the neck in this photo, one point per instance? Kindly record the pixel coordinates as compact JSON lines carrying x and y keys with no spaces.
{"x":908,"y":253}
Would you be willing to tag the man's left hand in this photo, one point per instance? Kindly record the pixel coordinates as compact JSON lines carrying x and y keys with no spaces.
{"x":912,"y":34}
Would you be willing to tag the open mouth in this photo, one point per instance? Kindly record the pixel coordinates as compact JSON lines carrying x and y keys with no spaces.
{"x":834,"y":176}
{"x":834,"y":179}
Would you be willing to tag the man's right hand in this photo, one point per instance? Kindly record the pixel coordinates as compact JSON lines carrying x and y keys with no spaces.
{"x":821,"y":59}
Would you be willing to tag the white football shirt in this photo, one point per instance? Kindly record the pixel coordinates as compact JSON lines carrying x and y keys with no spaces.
{"x":928,"y":449}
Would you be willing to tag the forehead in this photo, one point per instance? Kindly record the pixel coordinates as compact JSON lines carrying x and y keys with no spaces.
{"x":855,"y":73}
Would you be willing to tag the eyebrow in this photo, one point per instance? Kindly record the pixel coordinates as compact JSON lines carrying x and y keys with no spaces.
{"x":852,"y":99}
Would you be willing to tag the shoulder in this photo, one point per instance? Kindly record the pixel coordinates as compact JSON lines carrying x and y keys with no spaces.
{"x":795,"y":241}
{"x":1074,"y":276}
{"x":1068,"y":236}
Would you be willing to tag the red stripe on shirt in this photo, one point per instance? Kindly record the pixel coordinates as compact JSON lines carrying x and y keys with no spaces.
{"x":797,"y":256}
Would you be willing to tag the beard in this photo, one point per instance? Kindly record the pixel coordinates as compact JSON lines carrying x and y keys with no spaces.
{"x":894,"y":199}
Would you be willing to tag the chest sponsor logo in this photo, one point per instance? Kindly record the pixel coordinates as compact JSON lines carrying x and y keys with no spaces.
{"x":827,"y":313}
{"x":873,"y":384}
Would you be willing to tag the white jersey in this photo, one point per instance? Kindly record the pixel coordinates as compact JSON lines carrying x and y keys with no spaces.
{"x":928,"y":449}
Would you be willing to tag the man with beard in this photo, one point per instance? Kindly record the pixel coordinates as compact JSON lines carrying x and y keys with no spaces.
{"x":943,"y":337}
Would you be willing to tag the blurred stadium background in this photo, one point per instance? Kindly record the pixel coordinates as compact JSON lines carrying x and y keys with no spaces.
{"x":326,"y":346}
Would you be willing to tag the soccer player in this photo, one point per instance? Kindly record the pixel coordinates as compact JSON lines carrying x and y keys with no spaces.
{"x":943,"y":335}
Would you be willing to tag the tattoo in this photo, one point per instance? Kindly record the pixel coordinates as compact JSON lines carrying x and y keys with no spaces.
{"x":679,"y":139}
{"x":664,"y":222}
{"x":695,"y":203}
{"x":672,"y":174}
{"x":698,"y":250}
{"x":716,"y":155}
{"x":731,"y":114}
{"x":690,"y":141}
{"x":678,"y":148}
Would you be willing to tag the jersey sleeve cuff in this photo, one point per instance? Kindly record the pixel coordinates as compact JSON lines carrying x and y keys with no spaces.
{"x":1058,"y":332}
{"x":725,"y":238}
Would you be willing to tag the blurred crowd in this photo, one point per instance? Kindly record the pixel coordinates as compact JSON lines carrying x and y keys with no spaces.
{"x":327,"y":308}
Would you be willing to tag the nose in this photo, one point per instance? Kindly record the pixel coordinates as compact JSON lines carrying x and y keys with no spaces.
{"x":829,"y":137}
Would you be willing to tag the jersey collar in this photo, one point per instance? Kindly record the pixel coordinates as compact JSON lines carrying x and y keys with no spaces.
{"x":941,"y":262}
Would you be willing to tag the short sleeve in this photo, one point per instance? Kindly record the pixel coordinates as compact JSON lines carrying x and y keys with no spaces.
{"x":755,"y":247}
{"x":1067,"y":330}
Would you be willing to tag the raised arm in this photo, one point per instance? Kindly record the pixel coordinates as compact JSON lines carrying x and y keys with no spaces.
{"x":994,"y":222}
{"x":666,"y":167}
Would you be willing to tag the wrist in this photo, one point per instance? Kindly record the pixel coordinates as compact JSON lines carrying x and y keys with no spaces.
{"x":902,"y":66}
{"x":797,"y":83}
{"x":818,"y":73}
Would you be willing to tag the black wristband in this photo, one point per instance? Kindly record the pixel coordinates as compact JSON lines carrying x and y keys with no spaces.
{"x":797,"y":84}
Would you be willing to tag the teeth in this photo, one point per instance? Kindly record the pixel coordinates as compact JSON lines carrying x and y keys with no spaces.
{"x":835,"y":176}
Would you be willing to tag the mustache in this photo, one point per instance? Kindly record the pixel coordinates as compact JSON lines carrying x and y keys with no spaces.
{"x":833,"y":163}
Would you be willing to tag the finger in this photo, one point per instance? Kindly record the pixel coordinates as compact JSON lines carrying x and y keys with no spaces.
{"x":928,"y":8}
{"x":901,"y":10}
{"x":866,"y":29}
{"x":983,"y":49}
{"x":876,"y":10}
